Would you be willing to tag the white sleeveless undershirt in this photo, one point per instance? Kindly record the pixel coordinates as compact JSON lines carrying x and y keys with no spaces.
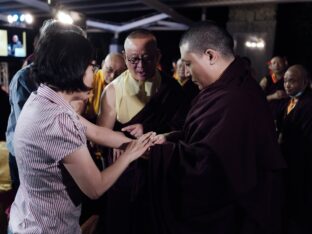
{"x":132,"y":95}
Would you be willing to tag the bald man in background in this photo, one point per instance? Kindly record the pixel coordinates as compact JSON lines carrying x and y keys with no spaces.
{"x":112,"y":66}
{"x":295,"y":126}
{"x":185,"y":80}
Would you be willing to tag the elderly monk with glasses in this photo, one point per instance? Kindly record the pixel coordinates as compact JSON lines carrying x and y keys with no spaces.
{"x":139,"y":100}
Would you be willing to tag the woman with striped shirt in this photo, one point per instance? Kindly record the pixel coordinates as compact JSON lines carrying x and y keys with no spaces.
{"x":50,"y":141}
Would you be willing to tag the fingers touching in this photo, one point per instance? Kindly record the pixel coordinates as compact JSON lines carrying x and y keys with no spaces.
{"x":135,"y":130}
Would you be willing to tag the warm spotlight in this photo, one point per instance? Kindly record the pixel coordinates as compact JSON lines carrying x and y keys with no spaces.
{"x":255,"y":43}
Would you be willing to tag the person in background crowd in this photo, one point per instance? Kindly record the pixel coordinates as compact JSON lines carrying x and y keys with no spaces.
{"x":185,"y":80}
{"x":112,"y":66}
{"x":295,"y":127}
{"x":15,"y":44}
{"x":272,"y":84}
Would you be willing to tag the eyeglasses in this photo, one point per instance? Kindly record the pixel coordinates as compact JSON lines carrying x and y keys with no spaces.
{"x":144,"y":59}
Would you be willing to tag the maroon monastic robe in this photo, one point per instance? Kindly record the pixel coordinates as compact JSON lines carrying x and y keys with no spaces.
{"x":127,"y":204}
{"x":223,"y":176}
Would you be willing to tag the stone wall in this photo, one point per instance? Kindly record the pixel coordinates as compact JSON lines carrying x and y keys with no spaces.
{"x":252,"y":24}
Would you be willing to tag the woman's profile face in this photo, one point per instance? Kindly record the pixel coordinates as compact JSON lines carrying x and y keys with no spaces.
{"x":88,"y":77}
{"x":88,"y":81}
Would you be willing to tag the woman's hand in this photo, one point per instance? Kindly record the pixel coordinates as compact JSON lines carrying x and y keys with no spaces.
{"x":117,"y":153}
{"x":136,"y":148}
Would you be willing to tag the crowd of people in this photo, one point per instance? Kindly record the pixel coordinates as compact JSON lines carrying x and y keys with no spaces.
{"x":209,"y":151}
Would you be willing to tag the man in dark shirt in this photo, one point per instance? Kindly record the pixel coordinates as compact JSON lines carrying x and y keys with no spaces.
{"x":223,"y":175}
{"x":295,"y":125}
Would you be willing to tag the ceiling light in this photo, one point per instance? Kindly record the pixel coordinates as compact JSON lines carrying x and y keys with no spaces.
{"x":64,"y":17}
{"x":10,"y":19}
{"x":29,"y":18}
{"x":255,"y":43}
{"x":15,"y":18}
{"x":22,"y":17}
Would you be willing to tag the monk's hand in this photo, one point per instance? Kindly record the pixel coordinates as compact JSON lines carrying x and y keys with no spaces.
{"x":137,"y":148}
{"x":159,"y":139}
{"x":135,"y":130}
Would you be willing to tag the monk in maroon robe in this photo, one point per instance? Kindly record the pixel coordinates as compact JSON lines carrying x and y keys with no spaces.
{"x":127,"y":205}
{"x":223,"y":174}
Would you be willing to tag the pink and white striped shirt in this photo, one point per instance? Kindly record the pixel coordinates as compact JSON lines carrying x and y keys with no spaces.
{"x":48,"y":130}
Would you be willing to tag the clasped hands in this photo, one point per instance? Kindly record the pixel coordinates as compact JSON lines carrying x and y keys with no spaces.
{"x":142,"y":140}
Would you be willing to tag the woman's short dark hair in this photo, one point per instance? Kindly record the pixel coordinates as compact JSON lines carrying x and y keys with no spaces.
{"x":61,"y":61}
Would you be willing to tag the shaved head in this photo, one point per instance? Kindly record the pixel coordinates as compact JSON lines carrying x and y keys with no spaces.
{"x":141,"y":34}
{"x":112,"y":66}
{"x":208,"y":35}
{"x":116,"y":57}
{"x":300,"y":70}
{"x":295,"y":80}
{"x":141,"y":54}
{"x":278,"y":64}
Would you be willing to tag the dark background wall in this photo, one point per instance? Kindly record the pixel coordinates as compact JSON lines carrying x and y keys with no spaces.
{"x":294,"y":33}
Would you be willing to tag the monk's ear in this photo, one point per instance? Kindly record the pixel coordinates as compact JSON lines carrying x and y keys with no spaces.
{"x":124,"y":55}
{"x":211,"y":55}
